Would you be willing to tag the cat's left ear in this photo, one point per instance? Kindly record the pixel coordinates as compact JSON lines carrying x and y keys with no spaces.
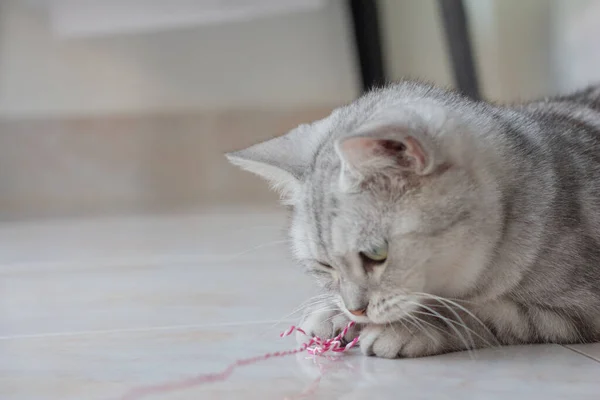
{"x":282,"y":161}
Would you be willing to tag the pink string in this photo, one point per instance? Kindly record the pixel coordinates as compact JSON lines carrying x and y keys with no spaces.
{"x":315,"y":346}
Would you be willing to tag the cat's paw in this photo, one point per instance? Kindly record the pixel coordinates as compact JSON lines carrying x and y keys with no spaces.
{"x":326,"y":325}
{"x":396,"y":340}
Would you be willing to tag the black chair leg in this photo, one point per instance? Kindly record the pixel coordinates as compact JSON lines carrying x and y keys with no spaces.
{"x":365,"y":21}
{"x":459,"y":45}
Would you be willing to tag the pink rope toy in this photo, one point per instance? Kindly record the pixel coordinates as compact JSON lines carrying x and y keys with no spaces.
{"x":315,"y":346}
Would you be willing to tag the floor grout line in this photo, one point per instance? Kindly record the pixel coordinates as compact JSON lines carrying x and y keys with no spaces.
{"x":133,"y":330}
{"x":566,"y":346}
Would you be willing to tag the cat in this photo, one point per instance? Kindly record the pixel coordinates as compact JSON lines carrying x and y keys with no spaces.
{"x":439,"y":223}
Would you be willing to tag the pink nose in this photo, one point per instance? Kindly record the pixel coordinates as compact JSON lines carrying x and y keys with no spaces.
{"x":359,"y":313}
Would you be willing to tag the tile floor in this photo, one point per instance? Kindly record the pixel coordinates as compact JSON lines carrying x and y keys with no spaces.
{"x":133,"y":307}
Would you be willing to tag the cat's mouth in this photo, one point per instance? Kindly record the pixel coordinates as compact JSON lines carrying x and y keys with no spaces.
{"x":360,"y":316}
{"x":383,"y":310}
{"x":376,"y":317}
{"x":361,"y":319}
{"x":385,"y":313}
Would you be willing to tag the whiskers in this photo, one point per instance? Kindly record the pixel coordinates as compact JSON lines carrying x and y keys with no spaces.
{"x":317,"y":304}
{"x":258,"y":247}
{"x":437,"y":317}
{"x":478,"y":335}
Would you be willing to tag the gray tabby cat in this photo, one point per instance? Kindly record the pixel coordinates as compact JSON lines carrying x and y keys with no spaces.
{"x":439,"y":223}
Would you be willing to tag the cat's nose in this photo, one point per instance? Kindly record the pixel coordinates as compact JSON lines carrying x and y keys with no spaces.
{"x":359,"y":312}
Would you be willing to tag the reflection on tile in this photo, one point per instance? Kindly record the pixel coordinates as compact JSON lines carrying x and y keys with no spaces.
{"x":104,"y":365}
{"x":228,"y":234}
{"x":128,"y":273}
{"x":167,"y":364}
{"x":98,"y":309}
{"x":143,"y":296}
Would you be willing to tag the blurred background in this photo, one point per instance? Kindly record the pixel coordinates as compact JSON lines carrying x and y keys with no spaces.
{"x":126,"y":106}
{"x":132,"y":253}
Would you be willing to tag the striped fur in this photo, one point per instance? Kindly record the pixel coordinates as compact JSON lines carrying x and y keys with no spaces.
{"x":498,"y":244}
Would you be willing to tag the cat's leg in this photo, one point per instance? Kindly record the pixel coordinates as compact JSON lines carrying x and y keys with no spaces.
{"x":325,"y":320}
{"x":427,"y":332}
{"x":518,"y":323}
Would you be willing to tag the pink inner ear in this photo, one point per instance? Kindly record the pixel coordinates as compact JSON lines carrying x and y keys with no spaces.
{"x":408,"y":152}
{"x":359,"y":149}
{"x":359,"y":144}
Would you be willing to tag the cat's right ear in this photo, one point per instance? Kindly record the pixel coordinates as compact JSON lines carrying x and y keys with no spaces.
{"x":281,"y":161}
{"x":387,"y":150}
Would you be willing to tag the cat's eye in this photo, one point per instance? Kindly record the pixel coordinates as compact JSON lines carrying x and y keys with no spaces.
{"x":376,"y":254}
{"x":324,"y":265}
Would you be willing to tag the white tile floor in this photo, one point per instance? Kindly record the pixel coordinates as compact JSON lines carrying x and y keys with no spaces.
{"x":105,"y":308}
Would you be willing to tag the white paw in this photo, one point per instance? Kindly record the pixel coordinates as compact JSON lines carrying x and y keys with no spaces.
{"x":325,"y":324}
{"x":395,"y":340}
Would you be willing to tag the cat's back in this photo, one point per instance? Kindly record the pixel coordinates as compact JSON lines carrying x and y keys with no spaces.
{"x":567,"y":130}
{"x":566,"y":133}
{"x":573,"y":114}
{"x":589,"y":98}
{"x":567,"y":137}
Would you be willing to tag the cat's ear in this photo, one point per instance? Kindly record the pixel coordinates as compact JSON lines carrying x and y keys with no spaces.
{"x":282,"y":161}
{"x":387,"y":150}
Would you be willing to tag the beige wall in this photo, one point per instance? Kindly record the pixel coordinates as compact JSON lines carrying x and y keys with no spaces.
{"x":577,"y":52}
{"x":159,"y":163}
{"x":283,"y":61}
{"x":511,"y":39}
{"x":192,"y":94}
{"x":279,"y":62}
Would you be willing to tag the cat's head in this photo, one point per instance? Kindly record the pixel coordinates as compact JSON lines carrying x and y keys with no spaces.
{"x":390,"y":202}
